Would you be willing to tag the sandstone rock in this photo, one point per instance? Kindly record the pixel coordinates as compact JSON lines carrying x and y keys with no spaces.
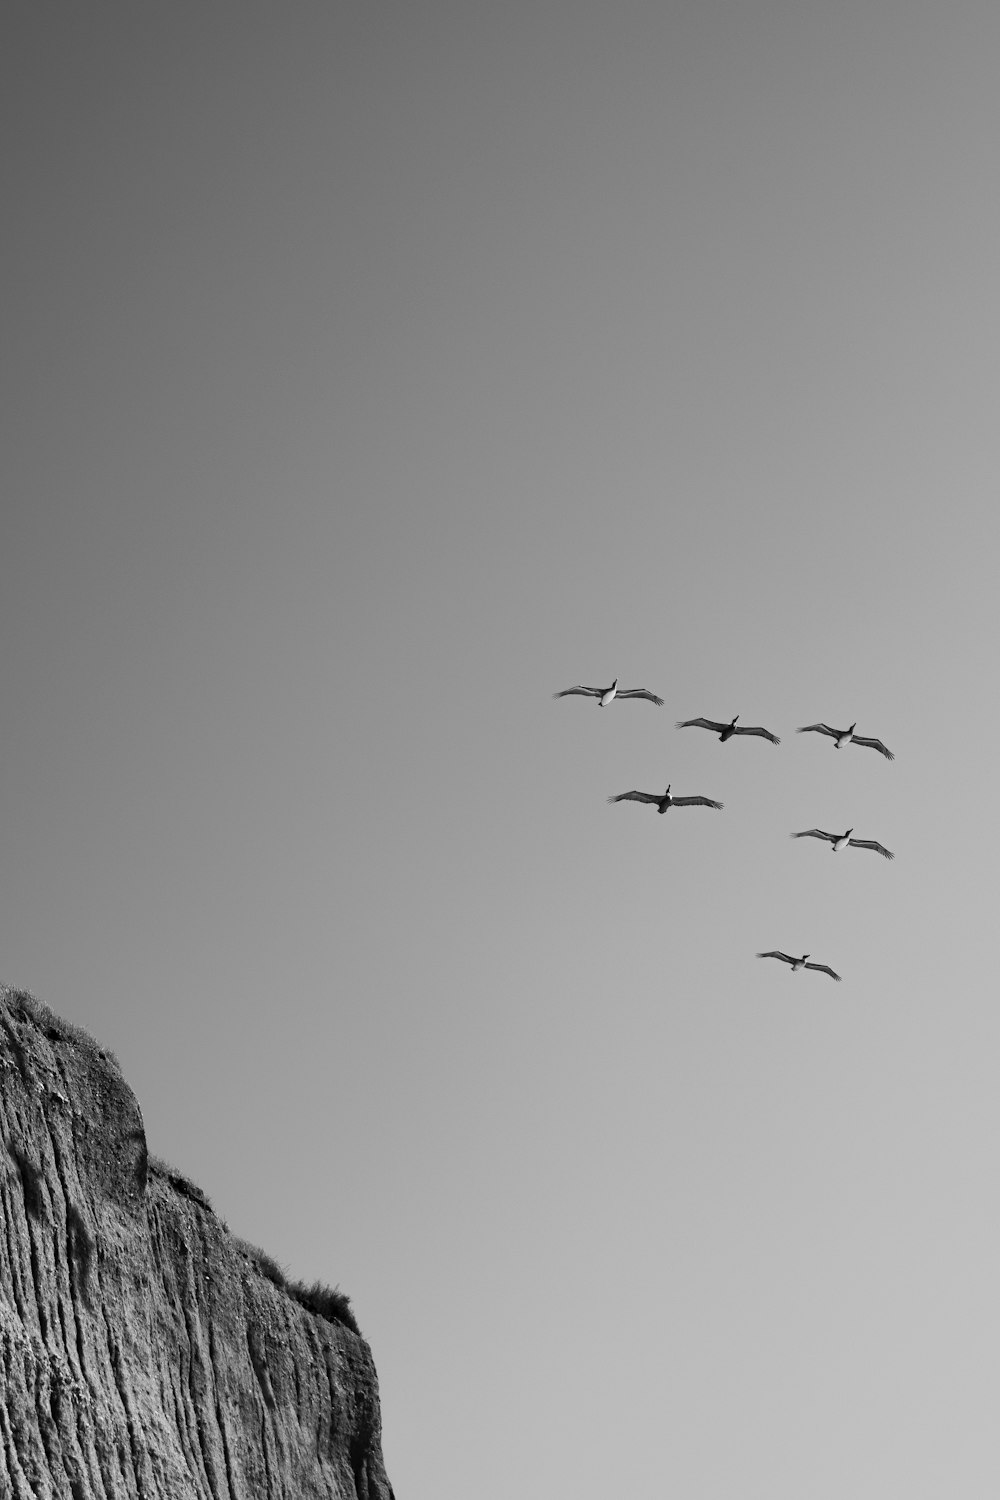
{"x":145,"y":1352}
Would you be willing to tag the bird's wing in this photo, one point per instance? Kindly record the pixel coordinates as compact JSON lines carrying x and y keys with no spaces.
{"x":820,"y":728}
{"x":815,"y":833}
{"x":701,"y":724}
{"x":774,"y":953}
{"x":585,"y":692}
{"x":640,"y":693}
{"x":636,"y":797}
{"x":824,"y":969}
{"x":871,"y":844}
{"x":765,"y":734}
{"x":695,"y":802}
{"x":859,"y":739}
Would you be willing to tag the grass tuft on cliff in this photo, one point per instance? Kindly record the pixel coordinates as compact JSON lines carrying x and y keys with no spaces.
{"x":326,"y":1302}
{"x":24,"y":1007}
{"x":157,"y":1167}
{"x":264,"y":1263}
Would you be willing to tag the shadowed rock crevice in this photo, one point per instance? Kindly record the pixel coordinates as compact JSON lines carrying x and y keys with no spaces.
{"x":145,"y":1352}
{"x":31,"y":1180}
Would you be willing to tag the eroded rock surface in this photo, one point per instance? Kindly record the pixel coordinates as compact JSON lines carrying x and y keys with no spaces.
{"x":143,"y":1353}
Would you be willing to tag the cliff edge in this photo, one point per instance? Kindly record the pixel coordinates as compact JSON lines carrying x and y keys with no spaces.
{"x":145,"y":1352}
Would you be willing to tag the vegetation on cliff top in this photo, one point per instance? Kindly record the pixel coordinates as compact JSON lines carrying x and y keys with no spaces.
{"x":326,"y":1302}
{"x":329,"y":1303}
{"x":20,"y":1005}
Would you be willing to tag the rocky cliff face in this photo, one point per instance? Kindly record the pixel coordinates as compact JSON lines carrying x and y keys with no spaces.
{"x":144,"y":1351}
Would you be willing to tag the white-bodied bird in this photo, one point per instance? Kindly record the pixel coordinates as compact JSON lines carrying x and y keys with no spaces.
{"x":726,"y":731}
{"x":667,"y":800}
{"x":608,"y":694}
{"x":847,"y":737}
{"x":799,"y":963}
{"x":843,"y":840}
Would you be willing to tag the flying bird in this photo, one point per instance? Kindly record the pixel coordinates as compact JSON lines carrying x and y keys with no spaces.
{"x":726,"y":731}
{"x":608,"y":694}
{"x":842,"y":840}
{"x":847,"y":737}
{"x":667,"y":800}
{"x":799,"y":963}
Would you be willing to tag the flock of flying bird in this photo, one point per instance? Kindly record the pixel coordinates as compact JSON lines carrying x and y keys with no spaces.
{"x":664,"y":800}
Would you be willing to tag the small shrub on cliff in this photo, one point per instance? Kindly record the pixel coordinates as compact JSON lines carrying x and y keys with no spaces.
{"x":326,"y":1302}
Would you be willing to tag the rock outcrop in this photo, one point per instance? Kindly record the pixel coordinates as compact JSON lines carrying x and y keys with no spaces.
{"x":145,"y":1352}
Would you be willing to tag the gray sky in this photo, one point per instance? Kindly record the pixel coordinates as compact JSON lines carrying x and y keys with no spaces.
{"x":370,"y":373}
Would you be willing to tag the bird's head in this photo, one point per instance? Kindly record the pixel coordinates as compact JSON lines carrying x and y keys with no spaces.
{"x":848,"y":833}
{"x":735,"y":717}
{"x":853,"y":727}
{"x":615,"y":683}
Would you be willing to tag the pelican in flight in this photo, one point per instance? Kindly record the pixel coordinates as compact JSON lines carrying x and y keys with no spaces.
{"x":667,"y":800}
{"x":843,"y":840}
{"x":847,"y":737}
{"x":799,"y":963}
{"x":726,"y":731}
{"x":608,"y":694}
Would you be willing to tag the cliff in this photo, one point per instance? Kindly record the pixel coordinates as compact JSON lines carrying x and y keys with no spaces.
{"x":145,"y":1351}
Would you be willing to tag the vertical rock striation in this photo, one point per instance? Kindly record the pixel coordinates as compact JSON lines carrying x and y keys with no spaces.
{"x":145,"y":1352}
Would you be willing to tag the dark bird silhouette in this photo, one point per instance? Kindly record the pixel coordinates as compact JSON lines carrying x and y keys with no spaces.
{"x":843,"y":840}
{"x":662,"y":803}
{"x":726,"y":731}
{"x":847,"y":737}
{"x":608,"y":694}
{"x":799,"y":963}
